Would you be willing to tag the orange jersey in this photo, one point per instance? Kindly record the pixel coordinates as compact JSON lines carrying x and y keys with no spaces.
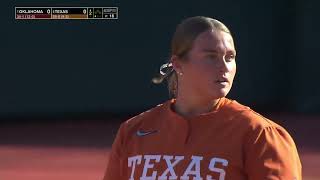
{"x":231,"y":142}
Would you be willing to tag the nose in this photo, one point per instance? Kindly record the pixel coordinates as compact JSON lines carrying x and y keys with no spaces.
{"x":222,"y":65}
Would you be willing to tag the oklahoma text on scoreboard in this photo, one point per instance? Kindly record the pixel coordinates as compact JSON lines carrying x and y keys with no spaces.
{"x":66,"y":13}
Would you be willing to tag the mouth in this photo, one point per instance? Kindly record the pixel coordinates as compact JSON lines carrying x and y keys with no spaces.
{"x":222,"y":80}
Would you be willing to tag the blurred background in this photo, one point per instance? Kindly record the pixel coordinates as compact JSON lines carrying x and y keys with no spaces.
{"x":66,"y":85}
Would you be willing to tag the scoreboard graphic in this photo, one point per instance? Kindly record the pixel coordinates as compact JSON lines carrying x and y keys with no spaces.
{"x":66,"y":13}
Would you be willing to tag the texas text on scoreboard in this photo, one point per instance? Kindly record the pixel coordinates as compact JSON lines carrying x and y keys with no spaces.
{"x":66,"y":12}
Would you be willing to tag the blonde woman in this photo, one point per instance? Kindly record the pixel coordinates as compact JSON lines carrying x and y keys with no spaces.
{"x":200,"y":134}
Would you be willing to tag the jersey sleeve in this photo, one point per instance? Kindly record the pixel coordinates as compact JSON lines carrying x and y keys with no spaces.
{"x":271,"y":154}
{"x":117,"y":158}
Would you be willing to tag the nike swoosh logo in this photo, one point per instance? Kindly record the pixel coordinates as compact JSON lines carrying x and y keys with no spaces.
{"x":145,"y":133}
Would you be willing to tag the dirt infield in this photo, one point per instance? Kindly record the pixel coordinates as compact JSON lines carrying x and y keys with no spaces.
{"x":35,"y":163}
{"x":79,"y":149}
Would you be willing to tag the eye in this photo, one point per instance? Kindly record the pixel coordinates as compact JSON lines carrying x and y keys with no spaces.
{"x":230,"y":57}
{"x":211,"y":56}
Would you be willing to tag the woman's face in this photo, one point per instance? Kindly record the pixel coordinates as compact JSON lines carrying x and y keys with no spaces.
{"x":210,"y":67}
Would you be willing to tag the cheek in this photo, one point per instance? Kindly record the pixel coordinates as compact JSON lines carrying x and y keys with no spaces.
{"x":232,"y":69}
{"x":206,"y":72}
{"x":198,"y":74}
{"x":193,"y":68}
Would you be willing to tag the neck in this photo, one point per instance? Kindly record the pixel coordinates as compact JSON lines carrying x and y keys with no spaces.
{"x":190,"y":106}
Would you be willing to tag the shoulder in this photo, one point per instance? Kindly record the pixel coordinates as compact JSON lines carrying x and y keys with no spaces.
{"x":266,"y":142}
{"x":250,"y":123}
{"x":257,"y":121}
{"x":247,"y":116}
{"x":258,"y":131}
{"x":256,"y":127}
{"x":145,"y":119}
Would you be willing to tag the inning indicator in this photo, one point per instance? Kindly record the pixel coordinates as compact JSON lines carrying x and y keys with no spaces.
{"x":66,"y":12}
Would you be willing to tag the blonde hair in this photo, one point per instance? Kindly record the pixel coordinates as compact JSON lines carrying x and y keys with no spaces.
{"x":186,"y":32}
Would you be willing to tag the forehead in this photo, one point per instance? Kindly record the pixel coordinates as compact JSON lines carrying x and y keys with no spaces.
{"x":214,"y":40}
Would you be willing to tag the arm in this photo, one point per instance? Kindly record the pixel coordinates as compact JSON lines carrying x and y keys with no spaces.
{"x":270,"y":154}
{"x":116,"y":169}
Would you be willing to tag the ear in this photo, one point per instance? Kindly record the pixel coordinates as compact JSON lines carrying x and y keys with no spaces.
{"x":176,"y":63}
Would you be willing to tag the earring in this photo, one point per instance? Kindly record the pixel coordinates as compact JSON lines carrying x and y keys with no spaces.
{"x":180,"y":73}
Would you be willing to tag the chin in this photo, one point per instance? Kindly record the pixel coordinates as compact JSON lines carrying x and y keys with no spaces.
{"x":220,"y":93}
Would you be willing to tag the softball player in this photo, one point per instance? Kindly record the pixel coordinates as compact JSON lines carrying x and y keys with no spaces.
{"x":199,"y":133}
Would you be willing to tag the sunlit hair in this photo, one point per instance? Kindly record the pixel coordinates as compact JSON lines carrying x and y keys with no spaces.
{"x":186,"y":32}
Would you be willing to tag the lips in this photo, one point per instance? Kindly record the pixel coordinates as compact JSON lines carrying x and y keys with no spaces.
{"x":222,"y":80}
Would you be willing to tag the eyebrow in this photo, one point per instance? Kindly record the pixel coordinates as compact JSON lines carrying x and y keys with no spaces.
{"x":215,"y":51}
{"x":210,"y":50}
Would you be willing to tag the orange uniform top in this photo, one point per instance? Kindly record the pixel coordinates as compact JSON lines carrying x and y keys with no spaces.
{"x":231,"y":142}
